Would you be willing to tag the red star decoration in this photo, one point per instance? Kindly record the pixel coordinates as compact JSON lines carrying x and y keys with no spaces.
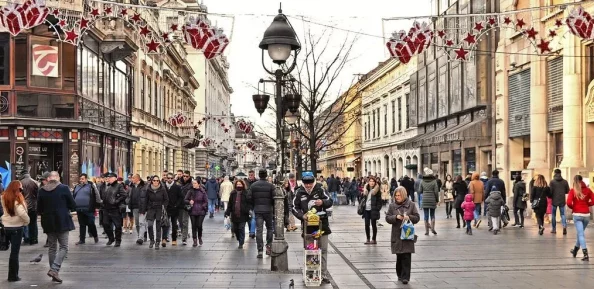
{"x":71,"y":36}
{"x":165,"y":36}
{"x":478,"y":26}
{"x":544,"y":46}
{"x":461,"y":53}
{"x":107,"y":10}
{"x":62,"y":23}
{"x":470,"y":38}
{"x":449,"y":42}
{"x":95,"y":12}
{"x":135,"y":18}
{"x":173,"y":27}
{"x":520,"y":23}
{"x":144,"y":31}
{"x":552,"y":33}
{"x":441,"y":33}
{"x":153,"y":46}
{"x":507,"y":20}
{"x":84,"y":23}
{"x":56,"y":12}
{"x":531,"y":33}
{"x":558,"y":22}
{"x":492,"y":21}
{"x":124,"y":12}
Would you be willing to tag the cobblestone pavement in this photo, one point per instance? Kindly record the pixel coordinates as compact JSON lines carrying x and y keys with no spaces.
{"x":516,"y":258}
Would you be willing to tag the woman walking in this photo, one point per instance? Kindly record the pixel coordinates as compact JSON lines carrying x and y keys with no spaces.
{"x":373,"y":205}
{"x":520,"y":198}
{"x":157,"y":200}
{"x":538,"y":199}
{"x":15,"y":217}
{"x":580,"y":199}
{"x":430,"y":191}
{"x":402,"y":210}
{"x":460,"y":191}
{"x":196,"y":197}
{"x":385,"y":189}
{"x":240,"y":204}
{"x":448,"y":195}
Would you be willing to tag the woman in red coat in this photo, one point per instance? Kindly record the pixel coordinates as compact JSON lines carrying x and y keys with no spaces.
{"x":580,"y":199}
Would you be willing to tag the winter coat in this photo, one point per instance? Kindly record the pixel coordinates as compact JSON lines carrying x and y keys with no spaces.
{"x":409,"y":185}
{"x":559,"y":188}
{"x":476,"y":188}
{"x":448,"y":186}
{"x":497,"y":183}
{"x":156,"y":198}
{"x":407,"y":207}
{"x":20,"y":218}
{"x":30,"y":190}
{"x":385,"y":189}
{"x":246,"y":207}
{"x":54,"y":204}
{"x":136,"y":195}
{"x":301,"y":202}
{"x":94,"y":199}
{"x":430,"y":191}
{"x":262,"y":197}
{"x":468,"y":206}
{"x":376,"y":201}
{"x":540,"y":193}
{"x":418,"y":184}
{"x":495,"y":201}
{"x":114,"y":197}
{"x":176,"y":198}
{"x":460,"y":191}
{"x":332,"y":185}
{"x":200,"y":199}
{"x":581,"y":206}
{"x":226,"y":188}
{"x":519,"y":191}
{"x":212,"y":189}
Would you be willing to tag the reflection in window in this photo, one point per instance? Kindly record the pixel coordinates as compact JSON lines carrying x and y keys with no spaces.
{"x":457,"y":163}
{"x":20,"y":67}
{"x":45,"y":105}
{"x":470,"y":161}
{"x":4,"y":59}
{"x":68,"y":65}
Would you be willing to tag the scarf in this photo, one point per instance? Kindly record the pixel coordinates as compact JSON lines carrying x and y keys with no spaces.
{"x":238,"y":204}
{"x":169,"y":185}
{"x":154,"y":187}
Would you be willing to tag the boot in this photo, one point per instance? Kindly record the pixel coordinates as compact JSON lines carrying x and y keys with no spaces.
{"x":433,"y":227}
{"x":574,"y":251}
{"x":426,"y":228}
{"x":586,"y":257}
{"x":195,"y":244}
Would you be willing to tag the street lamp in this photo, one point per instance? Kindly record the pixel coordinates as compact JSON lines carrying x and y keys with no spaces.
{"x":280,"y":40}
{"x":291,"y":117}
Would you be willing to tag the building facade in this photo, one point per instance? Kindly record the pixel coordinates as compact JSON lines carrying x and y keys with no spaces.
{"x":385,"y":105}
{"x":545,"y":104}
{"x":451,"y":100}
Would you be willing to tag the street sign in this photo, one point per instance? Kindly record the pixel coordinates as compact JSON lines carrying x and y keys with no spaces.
{"x":217,"y":168}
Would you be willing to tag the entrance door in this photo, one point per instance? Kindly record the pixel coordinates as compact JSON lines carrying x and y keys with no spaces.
{"x":443,"y":170}
{"x":45,"y":157}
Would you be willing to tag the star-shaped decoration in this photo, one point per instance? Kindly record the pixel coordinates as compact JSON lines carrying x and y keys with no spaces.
{"x":441,"y":33}
{"x":461,"y":53}
{"x":520,"y":23}
{"x":83,"y":23}
{"x":492,"y":21}
{"x":470,"y":38}
{"x":531,"y":33}
{"x":544,"y":46}
{"x":558,"y":22}
{"x":135,"y":17}
{"x":552,"y":33}
{"x":95,"y":12}
{"x":478,"y":26}
{"x":107,"y":10}
{"x":173,"y":27}
{"x":165,"y":36}
{"x":62,"y":23}
{"x":71,"y":36}
{"x":124,"y":12}
{"x":449,"y":42}
{"x":144,"y":31}
{"x":56,"y":12}
{"x":507,"y":20}
{"x":153,"y":46}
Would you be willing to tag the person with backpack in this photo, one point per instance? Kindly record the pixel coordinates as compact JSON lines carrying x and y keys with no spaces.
{"x":495,"y":201}
{"x":559,"y":189}
{"x":520,"y":198}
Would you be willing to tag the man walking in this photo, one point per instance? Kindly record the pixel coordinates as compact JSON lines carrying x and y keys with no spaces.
{"x":86,"y":196}
{"x":137,"y":197}
{"x":290,"y":190}
{"x":499,"y":185}
{"x":183,"y":217}
{"x":54,"y":204}
{"x":333,"y":188}
{"x":174,"y":206}
{"x":559,"y":188}
{"x":113,"y":204}
{"x":252,"y":223}
{"x":30,"y":189}
{"x":263,"y":203}
{"x":212,"y":191}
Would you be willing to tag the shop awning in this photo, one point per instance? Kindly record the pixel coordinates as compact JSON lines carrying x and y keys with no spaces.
{"x":470,"y":130}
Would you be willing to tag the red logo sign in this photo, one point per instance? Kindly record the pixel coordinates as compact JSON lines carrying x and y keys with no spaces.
{"x":45,"y":60}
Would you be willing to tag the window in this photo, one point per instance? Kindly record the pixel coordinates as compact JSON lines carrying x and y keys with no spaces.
{"x":374,"y":123}
{"x":406,"y":96}
{"x":378,"y":122}
{"x":20,"y":67}
{"x":385,"y":119}
{"x":368,"y":127}
{"x":45,"y":76}
{"x":558,"y":148}
{"x":400,"y":114}
{"x":45,"y":105}
{"x":457,"y":163}
{"x":142,"y":102}
{"x":470,"y":161}
{"x":4,"y":59}
{"x":156,"y":104}
{"x":394,"y":117}
{"x":68,"y":66}
{"x":149,"y":96}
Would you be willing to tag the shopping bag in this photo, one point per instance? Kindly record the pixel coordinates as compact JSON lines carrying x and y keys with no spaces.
{"x":227,"y":223}
{"x":407,"y":232}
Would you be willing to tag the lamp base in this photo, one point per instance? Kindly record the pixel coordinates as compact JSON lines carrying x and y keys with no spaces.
{"x":279,"y":260}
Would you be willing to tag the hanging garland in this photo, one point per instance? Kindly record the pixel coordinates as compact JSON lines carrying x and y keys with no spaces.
{"x":177,"y":119}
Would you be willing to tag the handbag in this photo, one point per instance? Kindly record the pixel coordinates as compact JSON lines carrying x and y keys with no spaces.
{"x":187,"y":208}
{"x":448,"y":196}
{"x":407,"y":231}
{"x":4,"y":243}
{"x":164,"y":216}
{"x":535,"y":204}
{"x":361,"y":208}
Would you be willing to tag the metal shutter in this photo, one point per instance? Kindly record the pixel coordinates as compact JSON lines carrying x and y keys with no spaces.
{"x":519,"y":104}
{"x":555,"y":93}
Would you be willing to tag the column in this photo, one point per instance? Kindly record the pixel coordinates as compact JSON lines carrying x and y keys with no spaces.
{"x":572,"y":106}
{"x":538,"y":116}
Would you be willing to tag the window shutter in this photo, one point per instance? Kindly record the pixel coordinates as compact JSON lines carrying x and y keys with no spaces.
{"x":519,"y":104}
{"x":555,"y":93}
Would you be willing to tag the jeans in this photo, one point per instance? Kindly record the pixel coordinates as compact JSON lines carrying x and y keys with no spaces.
{"x":172,"y":215}
{"x":252,"y":225}
{"x":580,"y":226}
{"x":140,"y":221}
{"x":519,"y":216}
{"x":32,"y":228}
{"x":154,"y":216}
{"x":112,"y":220}
{"x":449,"y":207}
{"x":427,"y":212}
{"x":57,"y":257}
{"x":334,"y":197}
{"x":468,"y":227}
{"x":211,"y":205}
{"x":14,"y":236}
{"x":260,"y":220}
{"x":477,"y":212}
{"x":403,"y":264}
{"x":369,"y":221}
{"x":197,"y":225}
{"x":86,"y":219}
{"x":239,"y":232}
{"x":183,"y":218}
{"x":563,"y":218}
{"x":420,"y":200}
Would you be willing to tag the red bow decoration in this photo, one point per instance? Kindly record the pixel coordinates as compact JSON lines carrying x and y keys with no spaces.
{"x":580,"y":23}
{"x":398,"y":47}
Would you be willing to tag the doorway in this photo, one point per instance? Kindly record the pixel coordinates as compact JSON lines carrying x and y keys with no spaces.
{"x":443,"y":171}
{"x":45,"y":157}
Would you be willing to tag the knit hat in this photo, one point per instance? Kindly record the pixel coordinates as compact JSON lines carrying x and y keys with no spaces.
{"x":428,"y":171}
{"x":483,"y":174}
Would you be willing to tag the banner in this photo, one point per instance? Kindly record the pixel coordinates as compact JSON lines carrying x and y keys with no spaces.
{"x":45,"y":60}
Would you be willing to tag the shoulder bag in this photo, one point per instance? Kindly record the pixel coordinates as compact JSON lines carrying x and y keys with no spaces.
{"x":361,"y":208}
{"x":4,"y":243}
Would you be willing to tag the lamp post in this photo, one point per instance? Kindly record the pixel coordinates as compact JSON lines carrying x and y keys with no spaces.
{"x":280,"y":40}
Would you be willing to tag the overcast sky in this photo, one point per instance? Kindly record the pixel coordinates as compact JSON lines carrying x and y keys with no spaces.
{"x":361,"y":16}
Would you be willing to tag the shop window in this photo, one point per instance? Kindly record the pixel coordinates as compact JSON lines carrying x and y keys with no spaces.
{"x":558,"y":137}
{"x":426,"y":158}
{"x":434,"y":158}
{"x":470,"y":160}
{"x":4,"y":59}
{"x":69,"y":66}
{"x":5,"y":162}
{"x":45,"y":59}
{"x":457,"y":163}
{"x":45,"y":105}
{"x":20,"y":67}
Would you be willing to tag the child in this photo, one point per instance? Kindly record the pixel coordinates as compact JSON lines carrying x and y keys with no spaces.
{"x":468,"y":207}
{"x":495,"y":203}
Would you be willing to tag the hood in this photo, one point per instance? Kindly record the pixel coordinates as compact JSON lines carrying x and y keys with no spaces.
{"x":429,"y":178}
{"x":558,"y":177}
{"x":469,"y":198}
{"x":495,"y":195}
{"x":51,"y":185}
{"x":212,"y":181}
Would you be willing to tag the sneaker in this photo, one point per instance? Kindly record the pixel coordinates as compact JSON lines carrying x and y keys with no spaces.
{"x":554,"y":232}
{"x":515,"y":225}
{"x":521,"y":226}
{"x":174,"y":243}
{"x":79,"y":243}
{"x":490,"y":229}
{"x":404,"y":281}
{"x":96,"y":239}
{"x":139,"y":241}
{"x":163,"y":244}
{"x":152,"y":244}
{"x":240,"y":247}
{"x":55,"y":276}
{"x":325,"y":281}
{"x":184,"y":242}
{"x":253,"y":236}
{"x":260,"y":255}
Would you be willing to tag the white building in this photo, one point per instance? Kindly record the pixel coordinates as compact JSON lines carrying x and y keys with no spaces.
{"x":385,"y":121}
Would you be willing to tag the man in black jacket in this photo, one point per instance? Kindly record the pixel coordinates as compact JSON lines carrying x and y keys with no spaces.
{"x":559,"y":188}
{"x":263,"y":204}
{"x":114,"y":202}
{"x":499,"y":185}
{"x":176,"y":204}
{"x":312,"y":195}
{"x":136,"y":199}
{"x":30,"y":189}
{"x":87,"y":199}
{"x":409,"y":185}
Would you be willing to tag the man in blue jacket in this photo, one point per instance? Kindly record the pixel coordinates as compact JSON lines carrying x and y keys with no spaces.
{"x":499,"y":185}
{"x":212,"y":191}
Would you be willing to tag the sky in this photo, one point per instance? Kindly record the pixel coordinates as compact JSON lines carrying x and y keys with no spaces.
{"x":251,"y":18}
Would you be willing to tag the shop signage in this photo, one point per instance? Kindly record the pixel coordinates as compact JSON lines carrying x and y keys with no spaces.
{"x":45,"y":60}
{"x":513,"y":174}
{"x":74,"y":164}
{"x":20,"y":159}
